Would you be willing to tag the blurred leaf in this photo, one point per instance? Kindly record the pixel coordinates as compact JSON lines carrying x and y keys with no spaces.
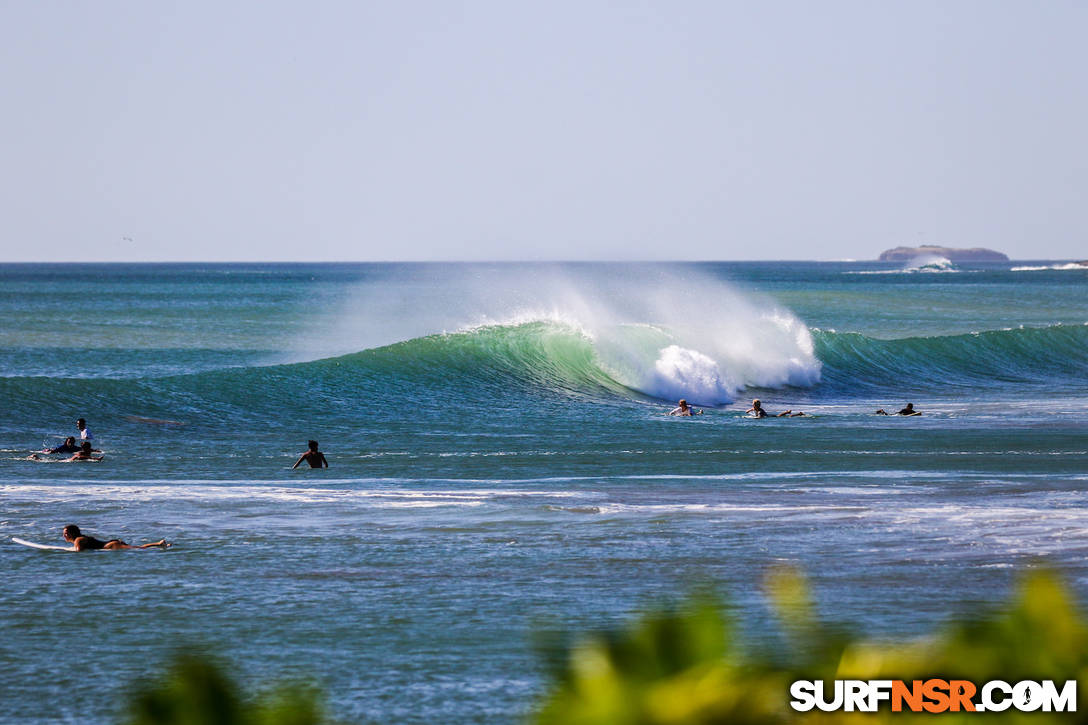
{"x":195,"y":691}
{"x":683,"y":667}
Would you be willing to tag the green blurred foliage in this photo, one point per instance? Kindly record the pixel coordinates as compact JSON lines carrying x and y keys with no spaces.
{"x":196,"y":691}
{"x":684,"y":666}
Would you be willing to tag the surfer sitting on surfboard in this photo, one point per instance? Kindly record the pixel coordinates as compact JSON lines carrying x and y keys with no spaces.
{"x":82,"y":542}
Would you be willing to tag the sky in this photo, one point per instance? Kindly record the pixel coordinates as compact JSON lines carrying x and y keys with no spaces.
{"x":364,"y":131}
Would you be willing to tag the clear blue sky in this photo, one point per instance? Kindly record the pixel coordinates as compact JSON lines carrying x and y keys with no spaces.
{"x":137,"y":130}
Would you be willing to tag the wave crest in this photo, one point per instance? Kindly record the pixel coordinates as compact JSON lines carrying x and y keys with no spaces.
{"x":663,"y":332}
{"x":1023,"y":355}
{"x":649,"y":360}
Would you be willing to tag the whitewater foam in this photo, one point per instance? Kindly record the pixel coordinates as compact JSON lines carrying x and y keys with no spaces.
{"x":924,"y":264}
{"x":666,"y":333}
{"x":1056,"y":267}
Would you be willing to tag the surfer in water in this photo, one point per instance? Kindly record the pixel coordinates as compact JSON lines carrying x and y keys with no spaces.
{"x":84,"y":454}
{"x":69,"y":446}
{"x":84,"y":431}
{"x":314,"y":457}
{"x":82,"y":542}
{"x":909,"y":410}
{"x":684,"y":409}
{"x":758,"y":411}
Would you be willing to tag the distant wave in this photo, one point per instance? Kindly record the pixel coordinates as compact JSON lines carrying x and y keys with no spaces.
{"x":1056,"y":355}
{"x":646,"y":359}
{"x":666,"y":333}
{"x":926,"y":264}
{"x":1061,"y":267}
{"x":496,"y":367}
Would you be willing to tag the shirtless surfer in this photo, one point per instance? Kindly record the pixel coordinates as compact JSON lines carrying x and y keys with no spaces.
{"x":758,"y":411}
{"x":84,"y":454}
{"x":314,"y":457}
{"x":684,"y":409}
{"x":82,"y":542}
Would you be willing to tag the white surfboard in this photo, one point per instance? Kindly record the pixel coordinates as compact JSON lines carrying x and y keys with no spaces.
{"x":49,"y":547}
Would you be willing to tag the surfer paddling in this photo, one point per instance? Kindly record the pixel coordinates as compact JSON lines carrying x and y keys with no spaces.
{"x":84,"y":454}
{"x":69,"y":446}
{"x":758,"y":411}
{"x":909,"y":410}
{"x":684,"y":409}
{"x":82,"y":542}
{"x":314,"y":457}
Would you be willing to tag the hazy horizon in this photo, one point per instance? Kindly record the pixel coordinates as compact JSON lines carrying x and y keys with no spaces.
{"x":483,"y":131}
{"x":540,"y":262}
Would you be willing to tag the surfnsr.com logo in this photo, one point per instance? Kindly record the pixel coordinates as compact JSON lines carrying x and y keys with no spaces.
{"x":934,"y":695}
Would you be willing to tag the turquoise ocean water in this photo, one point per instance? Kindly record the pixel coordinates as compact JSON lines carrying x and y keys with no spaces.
{"x":501,"y":465}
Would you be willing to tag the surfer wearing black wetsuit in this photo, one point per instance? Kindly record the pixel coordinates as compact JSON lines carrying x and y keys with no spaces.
{"x":314,"y":457}
{"x":909,"y":410}
{"x":69,"y":446}
{"x":81,"y":542}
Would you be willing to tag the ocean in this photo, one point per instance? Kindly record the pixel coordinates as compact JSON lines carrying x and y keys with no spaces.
{"x":501,"y":466}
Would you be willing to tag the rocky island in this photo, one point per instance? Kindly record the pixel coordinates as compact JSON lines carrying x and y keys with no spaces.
{"x":976,"y":254}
